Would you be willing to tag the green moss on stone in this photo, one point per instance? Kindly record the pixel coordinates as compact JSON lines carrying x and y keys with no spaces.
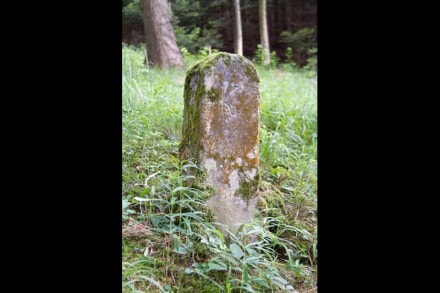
{"x":248,"y":188}
{"x":207,"y":62}
{"x":252,"y":74}
{"x":190,"y":146}
{"x":214,"y":94}
{"x":227,"y":59}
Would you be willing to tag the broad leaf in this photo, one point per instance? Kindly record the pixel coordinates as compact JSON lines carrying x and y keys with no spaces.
{"x":236,"y":251}
{"x":214,"y":266}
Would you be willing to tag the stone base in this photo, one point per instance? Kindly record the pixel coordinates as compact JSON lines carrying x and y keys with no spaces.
{"x":232,"y":211}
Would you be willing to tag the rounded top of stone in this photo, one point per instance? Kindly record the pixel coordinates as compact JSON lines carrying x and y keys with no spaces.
{"x":225,"y":59}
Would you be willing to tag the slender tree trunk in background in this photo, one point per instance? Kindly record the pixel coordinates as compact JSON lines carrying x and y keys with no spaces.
{"x":264,"y":36}
{"x":238,"y":34}
{"x":162,"y":49}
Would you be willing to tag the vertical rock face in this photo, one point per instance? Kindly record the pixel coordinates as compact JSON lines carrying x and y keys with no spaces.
{"x":221,"y":131}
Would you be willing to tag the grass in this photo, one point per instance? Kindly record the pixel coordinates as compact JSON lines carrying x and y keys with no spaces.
{"x":180,"y":250}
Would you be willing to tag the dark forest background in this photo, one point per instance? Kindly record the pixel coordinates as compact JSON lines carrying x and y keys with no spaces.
{"x":292,"y":26}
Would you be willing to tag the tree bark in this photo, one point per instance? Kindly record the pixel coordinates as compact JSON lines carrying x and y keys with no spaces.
{"x":264,"y":36}
{"x":238,"y":33}
{"x":161,"y":43}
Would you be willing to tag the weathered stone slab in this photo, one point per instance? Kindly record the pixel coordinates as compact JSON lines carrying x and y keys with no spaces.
{"x":221,"y":132}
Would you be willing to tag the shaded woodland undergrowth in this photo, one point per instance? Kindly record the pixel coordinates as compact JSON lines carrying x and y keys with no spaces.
{"x":170,"y":243}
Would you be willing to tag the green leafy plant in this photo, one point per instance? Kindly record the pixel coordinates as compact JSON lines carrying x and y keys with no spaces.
{"x":302,"y":42}
{"x":258,"y":57}
{"x":249,"y":262}
{"x":126,"y":211}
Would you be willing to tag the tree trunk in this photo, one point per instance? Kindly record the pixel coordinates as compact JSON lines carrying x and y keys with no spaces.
{"x":264,"y":36}
{"x":238,"y":35}
{"x":161,"y":43}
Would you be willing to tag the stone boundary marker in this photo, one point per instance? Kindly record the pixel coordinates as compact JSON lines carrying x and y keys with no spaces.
{"x":221,"y":132}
